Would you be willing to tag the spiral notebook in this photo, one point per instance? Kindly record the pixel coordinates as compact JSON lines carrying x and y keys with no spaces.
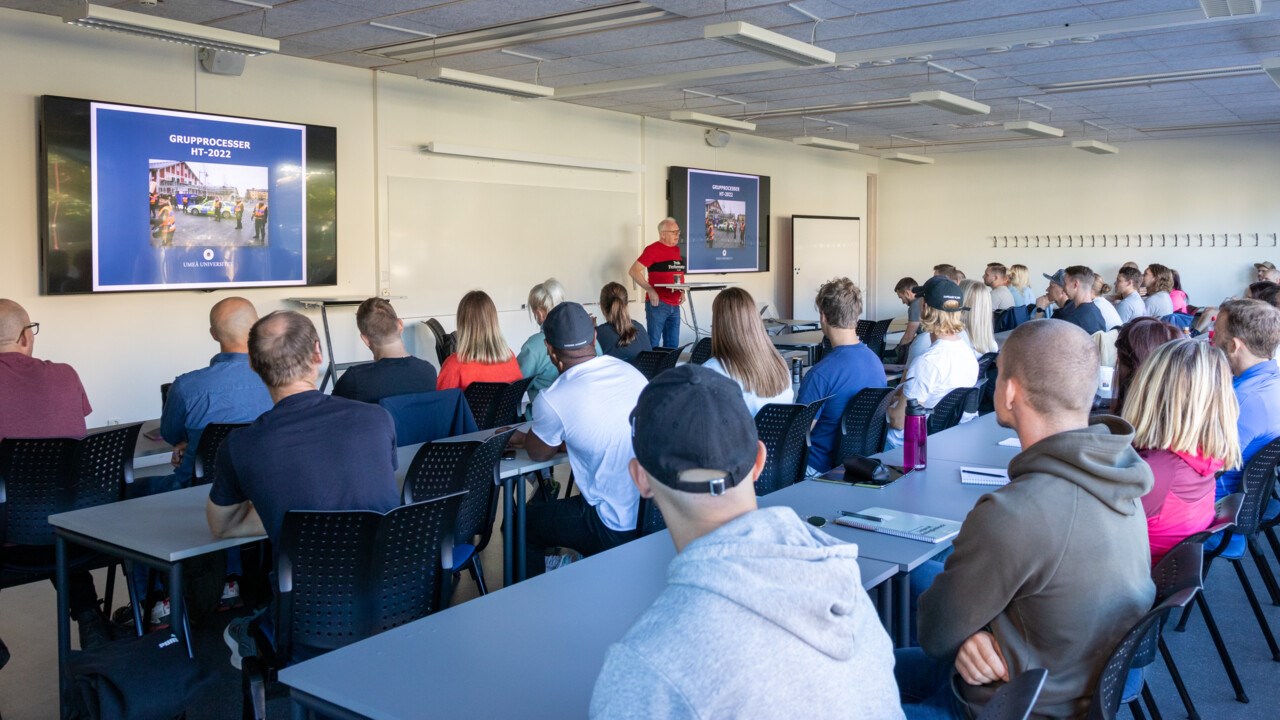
{"x":924,"y":528}
{"x":984,"y":476}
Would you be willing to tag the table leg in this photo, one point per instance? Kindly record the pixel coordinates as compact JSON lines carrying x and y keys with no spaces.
{"x":508,"y":534}
{"x":884,"y":600}
{"x":332,"y":370}
{"x":64,"y":621}
{"x":693,"y":315}
{"x":902,"y":603}
{"x":177,"y":608}
{"x":522,"y":570}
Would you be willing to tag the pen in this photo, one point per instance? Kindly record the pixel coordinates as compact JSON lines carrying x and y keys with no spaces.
{"x":985,"y":474}
{"x":860,"y":516}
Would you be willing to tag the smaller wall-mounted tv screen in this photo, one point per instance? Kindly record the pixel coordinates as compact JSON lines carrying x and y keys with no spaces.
{"x":724,"y":219}
{"x":140,"y":198}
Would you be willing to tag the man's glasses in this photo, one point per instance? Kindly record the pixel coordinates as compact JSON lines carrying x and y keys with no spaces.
{"x":33,"y":327}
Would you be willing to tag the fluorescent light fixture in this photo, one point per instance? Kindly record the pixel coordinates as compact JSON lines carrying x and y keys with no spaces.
{"x":1271,"y":66}
{"x":476,"y":81}
{"x":711,"y":121}
{"x":519,"y":156}
{"x":1149,"y":79}
{"x":1230,"y":8}
{"x":949,"y":102}
{"x":1097,"y":147}
{"x":131,"y":23}
{"x":907,"y":158}
{"x":825,"y":143}
{"x":1034,"y":129}
{"x":768,"y":42}
{"x":397,"y":28}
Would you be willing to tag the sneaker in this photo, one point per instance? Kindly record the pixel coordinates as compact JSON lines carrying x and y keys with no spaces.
{"x":94,"y":631}
{"x":239,"y":639}
{"x":555,"y":562}
{"x":123,"y":616}
{"x":160,"y":614}
{"x":230,"y":595}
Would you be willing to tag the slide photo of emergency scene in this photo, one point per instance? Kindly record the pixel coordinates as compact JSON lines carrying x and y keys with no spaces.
{"x":726,"y":223}
{"x":194,"y":204}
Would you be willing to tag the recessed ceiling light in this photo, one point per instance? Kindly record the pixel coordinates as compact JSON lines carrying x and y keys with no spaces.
{"x":920,"y":58}
{"x":999,"y":48}
{"x":1097,"y":147}
{"x":849,"y":66}
{"x":1084,"y":39}
{"x":1039,"y":43}
{"x":882,"y":63}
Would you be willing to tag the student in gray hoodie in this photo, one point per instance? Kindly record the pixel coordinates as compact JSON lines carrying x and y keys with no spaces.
{"x":1052,"y":569}
{"x":763,"y":615}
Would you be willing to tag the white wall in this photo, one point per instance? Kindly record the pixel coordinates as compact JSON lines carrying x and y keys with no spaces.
{"x":947,"y":212}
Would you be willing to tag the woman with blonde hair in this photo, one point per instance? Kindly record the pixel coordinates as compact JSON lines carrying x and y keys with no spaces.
{"x":1184,"y":412}
{"x":741,"y":350}
{"x":1020,"y":283}
{"x":1157,"y":280}
{"x":482,"y":354}
{"x":978,"y":317}
{"x":619,"y":335}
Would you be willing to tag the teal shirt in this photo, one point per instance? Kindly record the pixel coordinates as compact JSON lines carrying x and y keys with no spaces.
{"x":536,"y":363}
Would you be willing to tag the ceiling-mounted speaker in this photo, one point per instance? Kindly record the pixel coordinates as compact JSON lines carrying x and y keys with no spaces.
{"x":716,"y":138}
{"x":221,"y":62}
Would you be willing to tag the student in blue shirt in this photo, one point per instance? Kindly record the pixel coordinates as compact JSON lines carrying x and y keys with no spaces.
{"x":847,"y":368}
{"x":1248,"y":331}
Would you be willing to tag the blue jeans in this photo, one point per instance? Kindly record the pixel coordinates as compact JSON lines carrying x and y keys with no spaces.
{"x":925,"y":686}
{"x":663,"y":323}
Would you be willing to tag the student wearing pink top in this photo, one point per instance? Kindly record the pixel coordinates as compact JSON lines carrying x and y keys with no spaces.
{"x":1184,"y":414}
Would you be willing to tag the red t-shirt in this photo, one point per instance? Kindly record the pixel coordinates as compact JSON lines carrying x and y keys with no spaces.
{"x":40,"y":399}
{"x":457,"y":374}
{"x":663,"y":262}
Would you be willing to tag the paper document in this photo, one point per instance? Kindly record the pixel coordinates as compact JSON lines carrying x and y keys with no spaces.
{"x":901,"y":524}
{"x":1011,"y":442}
{"x":983,"y":476}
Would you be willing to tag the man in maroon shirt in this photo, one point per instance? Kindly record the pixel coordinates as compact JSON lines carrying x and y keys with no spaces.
{"x":41,"y":399}
{"x":664,"y":264}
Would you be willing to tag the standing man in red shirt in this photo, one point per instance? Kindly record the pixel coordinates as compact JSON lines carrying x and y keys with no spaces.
{"x":663,"y":262}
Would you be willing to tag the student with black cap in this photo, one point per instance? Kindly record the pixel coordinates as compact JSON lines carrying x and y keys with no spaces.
{"x":748,"y":588}
{"x":585,"y":411}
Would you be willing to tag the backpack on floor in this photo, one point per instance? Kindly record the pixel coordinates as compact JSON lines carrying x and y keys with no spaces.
{"x":149,"y":678}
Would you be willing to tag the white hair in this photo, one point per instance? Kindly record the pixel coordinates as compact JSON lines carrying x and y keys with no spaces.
{"x":546,"y":295}
{"x":666,"y":220}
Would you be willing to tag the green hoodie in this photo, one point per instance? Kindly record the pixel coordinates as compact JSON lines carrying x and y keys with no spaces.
{"x":1055,"y":564}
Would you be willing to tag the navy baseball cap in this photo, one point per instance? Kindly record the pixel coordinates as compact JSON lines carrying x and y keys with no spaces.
{"x":938,"y":291}
{"x":692,"y":431}
{"x":568,"y":326}
{"x":1059,"y":278}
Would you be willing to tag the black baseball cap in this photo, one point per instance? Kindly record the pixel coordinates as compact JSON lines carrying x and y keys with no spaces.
{"x":937,"y":291}
{"x":568,"y":326}
{"x":1059,"y":278}
{"x":692,"y":431}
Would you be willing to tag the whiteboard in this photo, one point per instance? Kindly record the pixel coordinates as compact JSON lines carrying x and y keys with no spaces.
{"x":447,"y":237}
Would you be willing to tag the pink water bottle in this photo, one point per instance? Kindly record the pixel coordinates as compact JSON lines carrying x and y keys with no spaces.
{"x":915,"y":436}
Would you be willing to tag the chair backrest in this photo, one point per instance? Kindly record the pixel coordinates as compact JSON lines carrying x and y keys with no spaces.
{"x":1180,"y":569}
{"x":343,"y":576}
{"x":495,"y":403}
{"x":205,"y":469}
{"x":1181,"y":321}
{"x":1010,"y":318}
{"x":1016,"y":698}
{"x":872,"y":333}
{"x":671,"y":359}
{"x":863,"y":425}
{"x":446,"y":343}
{"x":1226,"y":511}
{"x":1107,"y":696}
{"x":445,"y":468}
{"x":649,"y":518}
{"x":418,"y":419}
{"x":987,"y":384}
{"x":949,"y":410}
{"x":164,"y":393}
{"x":784,"y":430}
{"x":701,"y":351}
{"x":652,"y":362}
{"x":1259,"y":478}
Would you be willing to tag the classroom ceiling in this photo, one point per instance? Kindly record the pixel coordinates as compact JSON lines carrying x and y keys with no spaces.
{"x":1188,"y":75}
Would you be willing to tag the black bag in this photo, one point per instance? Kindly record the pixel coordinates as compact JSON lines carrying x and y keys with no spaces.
{"x":148,"y":678}
{"x":858,"y":469}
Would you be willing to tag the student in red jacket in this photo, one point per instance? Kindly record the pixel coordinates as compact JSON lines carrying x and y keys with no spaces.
{"x":482,"y":355}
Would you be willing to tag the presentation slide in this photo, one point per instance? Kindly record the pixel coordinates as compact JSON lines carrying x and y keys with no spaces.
{"x":723,"y":222}
{"x":183,"y":200}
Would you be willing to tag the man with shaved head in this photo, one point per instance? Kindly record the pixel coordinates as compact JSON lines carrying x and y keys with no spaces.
{"x":227,"y":391}
{"x":1021,"y":589}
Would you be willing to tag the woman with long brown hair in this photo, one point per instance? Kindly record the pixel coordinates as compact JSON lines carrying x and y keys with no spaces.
{"x":619,"y":335}
{"x":482,"y":355}
{"x":741,"y":350}
{"x":1137,"y":339}
{"x":1157,"y":280}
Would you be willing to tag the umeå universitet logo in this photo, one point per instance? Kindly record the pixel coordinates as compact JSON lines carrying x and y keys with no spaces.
{"x":208,"y":253}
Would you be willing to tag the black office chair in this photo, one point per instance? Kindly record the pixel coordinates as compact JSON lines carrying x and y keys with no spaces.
{"x":872,"y":334}
{"x":864,"y":424}
{"x":784,"y":430}
{"x":496,"y":404}
{"x":652,"y":362}
{"x":446,"y":343}
{"x":947,"y":413}
{"x":445,"y":468}
{"x":1015,"y":700}
{"x":649,"y":518}
{"x":1115,"y":674}
{"x":204,"y":471}
{"x":343,"y":576}
{"x":1181,"y":567}
{"x":701,"y":351}
{"x":987,"y":383}
{"x":164,"y":393}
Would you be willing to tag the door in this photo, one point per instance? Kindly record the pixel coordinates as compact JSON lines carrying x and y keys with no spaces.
{"x":823,"y":247}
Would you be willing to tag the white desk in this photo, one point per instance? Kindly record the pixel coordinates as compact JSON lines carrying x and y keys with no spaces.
{"x":976,"y":442}
{"x":689,"y":287}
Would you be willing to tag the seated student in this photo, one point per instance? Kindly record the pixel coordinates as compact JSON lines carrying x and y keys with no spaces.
{"x":585,"y":411}
{"x":533,"y":359}
{"x":740,"y":350}
{"x":948,"y":271}
{"x":1135,"y":342}
{"x":1023,"y":586}
{"x":1071,"y":290}
{"x":310,"y":451}
{"x":996,"y":277}
{"x":1157,"y":281}
{"x":733,"y":595}
{"x":1248,"y":331}
{"x":619,"y":335}
{"x":1176,"y":295}
{"x":978,"y":317}
{"x":1184,"y":416}
{"x":904,"y":292}
{"x":1130,"y":304}
{"x":43,"y":399}
{"x":949,"y":363}
{"x":847,"y":368}
{"x":1263,"y":269}
{"x":482,"y":354}
{"x":393,"y":370}
{"x":1110,"y":316}
{"x":1020,"y":285}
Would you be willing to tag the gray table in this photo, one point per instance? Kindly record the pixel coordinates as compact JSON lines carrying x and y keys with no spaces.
{"x":976,"y":442}
{"x":159,"y":531}
{"x":544,"y":640}
{"x":808,"y":341}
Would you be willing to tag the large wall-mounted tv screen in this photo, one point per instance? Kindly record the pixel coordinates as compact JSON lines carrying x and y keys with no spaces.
{"x":140,"y":198}
{"x":724,"y":219}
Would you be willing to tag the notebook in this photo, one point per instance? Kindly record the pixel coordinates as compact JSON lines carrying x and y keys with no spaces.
{"x":1011,"y":442}
{"x":924,"y":528}
{"x":983,"y":476}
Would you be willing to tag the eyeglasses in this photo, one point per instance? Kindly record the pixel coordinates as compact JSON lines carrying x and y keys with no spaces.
{"x":668,"y":232}
{"x":33,"y":327}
